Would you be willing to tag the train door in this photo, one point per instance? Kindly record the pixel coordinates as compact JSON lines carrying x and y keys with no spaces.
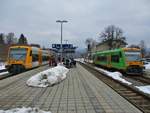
{"x":109,"y":61}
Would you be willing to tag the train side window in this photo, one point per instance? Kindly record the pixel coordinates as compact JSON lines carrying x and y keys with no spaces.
{"x":120,"y":54}
{"x":102,"y":58}
{"x":34,"y":57}
{"x":115,"y":58}
{"x":30,"y":53}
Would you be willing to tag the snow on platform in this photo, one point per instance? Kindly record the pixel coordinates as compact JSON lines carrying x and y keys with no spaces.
{"x":24,"y":110}
{"x":2,"y":66}
{"x":80,"y":92}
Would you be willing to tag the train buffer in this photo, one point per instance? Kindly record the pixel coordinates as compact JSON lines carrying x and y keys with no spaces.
{"x":80,"y":92}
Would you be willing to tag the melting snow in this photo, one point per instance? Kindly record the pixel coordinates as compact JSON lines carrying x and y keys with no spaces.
{"x":80,"y":60}
{"x":24,"y":110}
{"x":2,"y":73}
{"x":114,"y":75}
{"x":48,"y":77}
{"x":145,"y":89}
{"x":2,"y":66}
{"x":147,"y":66}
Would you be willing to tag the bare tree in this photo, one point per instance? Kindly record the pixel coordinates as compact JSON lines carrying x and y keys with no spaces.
{"x":91,"y":43}
{"x":9,"y":38}
{"x":143,"y":47}
{"x":111,"y":34}
{"x":88,"y":42}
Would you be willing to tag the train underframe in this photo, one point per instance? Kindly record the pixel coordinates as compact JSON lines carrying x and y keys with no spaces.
{"x":15,"y":69}
{"x":130,"y":70}
{"x":137,"y":70}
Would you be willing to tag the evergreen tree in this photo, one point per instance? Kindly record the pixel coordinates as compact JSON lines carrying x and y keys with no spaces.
{"x":22,"y":39}
{"x":2,"y":38}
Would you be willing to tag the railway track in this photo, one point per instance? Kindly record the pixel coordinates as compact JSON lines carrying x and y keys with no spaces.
{"x":143,"y":79}
{"x":134,"y":96}
{"x":10,"y":75}
{"x":5,"y":76}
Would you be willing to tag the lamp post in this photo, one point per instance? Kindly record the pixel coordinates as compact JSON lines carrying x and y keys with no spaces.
{"x":61,"y":23}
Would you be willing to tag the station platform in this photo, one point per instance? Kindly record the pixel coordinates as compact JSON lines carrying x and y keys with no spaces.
{"x":80,"y":92}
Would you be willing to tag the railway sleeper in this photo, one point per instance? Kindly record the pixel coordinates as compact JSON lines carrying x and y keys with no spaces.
{"x":136,"y":99}
{"x":129,"y":94}
{"x":141,"y":102}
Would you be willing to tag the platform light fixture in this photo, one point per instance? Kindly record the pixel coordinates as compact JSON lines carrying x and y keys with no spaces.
{"x":61,"y":23}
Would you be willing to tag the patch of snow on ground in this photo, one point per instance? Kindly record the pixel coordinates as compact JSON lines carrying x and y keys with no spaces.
{"x":80,"y":60}
{"x":2,"y":66}
{"x":147,"y":66}
{"x":48,"y":77}
{"x":114,"y":75}
{"x":24,"y":110}
{"x":145,"y":89}
{"x":2,"y":73}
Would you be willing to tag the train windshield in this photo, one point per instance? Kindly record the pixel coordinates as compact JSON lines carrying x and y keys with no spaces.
{"x":18,"y":53}
{"x":133,"y":56}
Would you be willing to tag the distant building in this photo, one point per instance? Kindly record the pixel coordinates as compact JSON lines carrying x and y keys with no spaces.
{"x":104,"y":46}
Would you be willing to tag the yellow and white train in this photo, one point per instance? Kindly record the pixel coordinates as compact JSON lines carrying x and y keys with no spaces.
{"x":21,"y":58}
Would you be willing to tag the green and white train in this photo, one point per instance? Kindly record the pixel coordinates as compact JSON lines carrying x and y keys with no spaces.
{"x":127,"y":60}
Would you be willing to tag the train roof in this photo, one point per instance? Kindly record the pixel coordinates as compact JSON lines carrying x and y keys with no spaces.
{"x":25,"y":46}
{"x":119,"y":49}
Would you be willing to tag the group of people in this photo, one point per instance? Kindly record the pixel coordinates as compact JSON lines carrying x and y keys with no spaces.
{"x":52,"y":62}
{"x":68,"y":62}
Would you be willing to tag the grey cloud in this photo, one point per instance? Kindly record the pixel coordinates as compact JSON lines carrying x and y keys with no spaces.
{"x":86,"y":18}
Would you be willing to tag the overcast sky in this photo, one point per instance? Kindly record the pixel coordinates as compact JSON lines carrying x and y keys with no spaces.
{"x":36,"y":19}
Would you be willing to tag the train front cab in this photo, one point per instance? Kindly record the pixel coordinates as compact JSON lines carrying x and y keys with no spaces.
{"x":21,"y":58}
{"x":134,"y":65}
{"x":17,"y":59}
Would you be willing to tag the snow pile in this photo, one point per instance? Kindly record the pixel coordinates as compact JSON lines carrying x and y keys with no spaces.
{"x":80,"y":60}
{"x":114,"y":75}
{"x":48,"y":77}
{"x":145,"y":89}
{"x":147,"y":66}
{"x":90,"y":61}
{"x":2,"y":66}
{"x":24,"y":110}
